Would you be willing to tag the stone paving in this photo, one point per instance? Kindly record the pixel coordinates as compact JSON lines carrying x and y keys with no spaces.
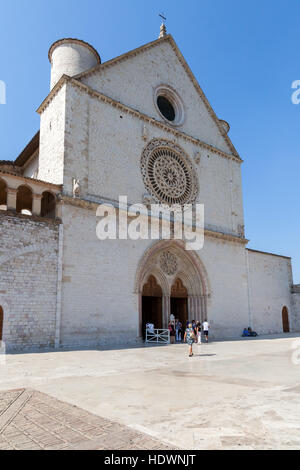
{"x":30,"y":420}
{"x":242,"y":394}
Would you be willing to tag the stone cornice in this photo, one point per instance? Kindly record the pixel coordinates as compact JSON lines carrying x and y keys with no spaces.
{"x":126,"y":109}
{"x":186,"y":67}
{"x":55,"y":90}
{"x":27,"y":179}
{"x":269,"y":254}
{"x":91,"y":205}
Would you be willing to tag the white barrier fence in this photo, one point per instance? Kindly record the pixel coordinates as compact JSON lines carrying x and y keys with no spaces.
{"x":158,"y":336}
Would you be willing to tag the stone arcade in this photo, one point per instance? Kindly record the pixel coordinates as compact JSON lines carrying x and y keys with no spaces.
{"x":138,"y":125}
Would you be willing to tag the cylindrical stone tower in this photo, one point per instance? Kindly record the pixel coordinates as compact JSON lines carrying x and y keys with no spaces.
{"x":71,"y":57}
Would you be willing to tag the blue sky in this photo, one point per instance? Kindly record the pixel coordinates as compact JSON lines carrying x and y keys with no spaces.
{"x":245,"y":56}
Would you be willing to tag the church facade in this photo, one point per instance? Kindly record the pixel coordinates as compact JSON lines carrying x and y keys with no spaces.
{"x":138,"y":126}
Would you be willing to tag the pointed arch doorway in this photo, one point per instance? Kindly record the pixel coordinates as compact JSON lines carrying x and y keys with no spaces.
{"x":179,"y":301}
{"x":151,"y":304}
{"x":181,"y":283}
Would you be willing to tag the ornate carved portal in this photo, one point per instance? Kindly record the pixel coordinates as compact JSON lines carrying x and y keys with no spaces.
{"x":171,"y":280}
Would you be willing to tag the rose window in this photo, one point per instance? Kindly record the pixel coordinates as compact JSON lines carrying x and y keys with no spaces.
{"x":168,"y":175}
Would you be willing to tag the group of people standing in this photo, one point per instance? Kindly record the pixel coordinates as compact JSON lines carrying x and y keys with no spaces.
{"x":190,"y":334}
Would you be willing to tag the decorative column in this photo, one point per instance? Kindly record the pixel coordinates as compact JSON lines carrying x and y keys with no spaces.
{"x":166,"y":310}
{"x":203,"y":312}
{"x":36,"y":204}
{"x":191,"y":307}
{"x":140,"y":324}
{"x":58,"y":209}
{"x":197,"y":308}
{"x":12,"y":199}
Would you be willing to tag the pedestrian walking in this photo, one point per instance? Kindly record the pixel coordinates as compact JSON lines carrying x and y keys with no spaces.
{"x":206,"y":327}
{"x":190,"y":338}
{"x":178,"y":327}
{"x":172,"y":333}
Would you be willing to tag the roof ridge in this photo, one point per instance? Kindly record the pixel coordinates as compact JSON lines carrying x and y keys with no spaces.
{"x":169,"y":38}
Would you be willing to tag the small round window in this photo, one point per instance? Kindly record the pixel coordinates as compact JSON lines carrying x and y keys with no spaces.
{"x":169,"y":105}
{"x":166,"y":108}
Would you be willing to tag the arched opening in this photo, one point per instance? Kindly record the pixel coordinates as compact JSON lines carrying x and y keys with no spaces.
{"x":285,"y":320}
{"x":48,"y":205}
{"x":24,"y":200}
{"x":151,"y":304}
{"x":1,"y":324}
{"x":179,"y":301}
{"x":3,"y":195}
{"x":179,"y":270}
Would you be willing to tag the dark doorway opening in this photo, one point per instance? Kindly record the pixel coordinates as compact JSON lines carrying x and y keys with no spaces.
{"x":285,"y":320}
{"x":24,"y":200}
{"x":151,"y":305}
{"x":179,"y":308}
{"x":179,"y":302}
{"x":48,"y":205}
{"x":1,"y":324}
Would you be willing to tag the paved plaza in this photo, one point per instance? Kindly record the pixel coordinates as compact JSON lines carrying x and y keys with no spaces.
{"x":241,"y":394}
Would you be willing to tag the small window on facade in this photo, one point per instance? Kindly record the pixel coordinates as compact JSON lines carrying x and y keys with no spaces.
{"x":169,"y":105}
{"x":166,"y":108}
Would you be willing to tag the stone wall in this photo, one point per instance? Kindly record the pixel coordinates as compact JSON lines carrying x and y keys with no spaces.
{"x":103,"y":149}
{"x":28,"y":281}
{"x":142,"y":73}
{"x":270,"y":282}
{"x":52,"y":140}
{"x":296,"y":306}
{"x":100,"y":301}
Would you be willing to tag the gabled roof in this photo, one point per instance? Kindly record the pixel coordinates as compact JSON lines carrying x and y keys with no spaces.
{"x":29,"y":150}
{"x":185,"y":65}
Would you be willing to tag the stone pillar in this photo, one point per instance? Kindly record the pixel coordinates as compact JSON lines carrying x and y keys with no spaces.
{"x":36,"y":204}
{"x":197,"y":309}
{"x":203,"y":305}
{"x":58,"y":209}
{"x":189,"y":307}
{"x":166,"y":306}
{"x":11,"y":199}
{"x":140,"y":325}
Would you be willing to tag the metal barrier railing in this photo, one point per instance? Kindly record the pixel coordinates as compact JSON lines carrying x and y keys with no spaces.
{"x":158,"y":336}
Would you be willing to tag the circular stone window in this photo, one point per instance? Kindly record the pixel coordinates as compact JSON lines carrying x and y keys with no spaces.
{"x":168,"y":174}
{"x":166,"y":108}
{"x":169,"y":105}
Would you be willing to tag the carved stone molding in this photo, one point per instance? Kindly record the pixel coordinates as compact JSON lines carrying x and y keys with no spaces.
{"x":168,"y":263}
{"x":168,"y":173}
